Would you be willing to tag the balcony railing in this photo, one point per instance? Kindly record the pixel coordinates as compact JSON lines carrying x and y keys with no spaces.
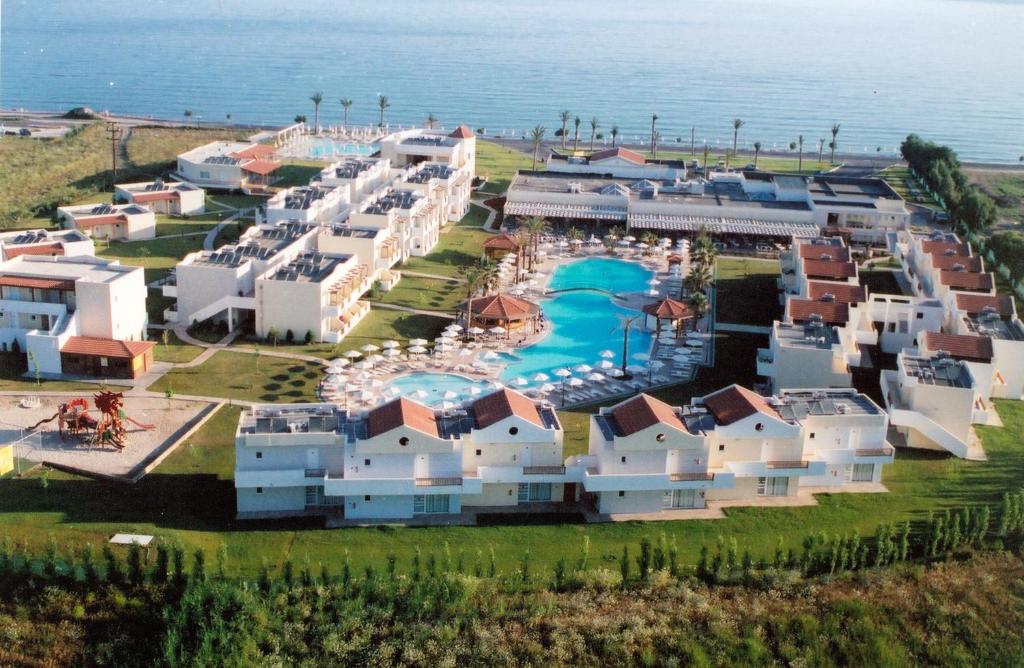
{"x":438,"y":482}
{"x":543,"y":470}
{"x":784,"y":464}
{"x":688,"y":477}
{"x":873,"y":452}
{"x":316,"y":473}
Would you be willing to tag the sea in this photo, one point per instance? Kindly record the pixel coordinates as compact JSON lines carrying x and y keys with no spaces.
{"x":950,"y":70}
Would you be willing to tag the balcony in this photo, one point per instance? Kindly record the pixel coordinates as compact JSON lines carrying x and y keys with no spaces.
{"x":169,"y":290}
{"x":879,"y":455}
{"x":640,"y":482}
{"x":690,"y":477}
{"x":778,"y":467}
{"x":518,"y":474}
{"x":874,"y":452}
{"x":787,"y":464}
{"x":439,"y":482}
{"x":171,"y":314}
{"x":315,"y":473}
{"x":543,"y":470}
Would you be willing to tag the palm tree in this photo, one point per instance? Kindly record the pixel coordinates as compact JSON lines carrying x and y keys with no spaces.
{"x":536,"y":227}
{"x":800,"y":158}
{"x":616,"y":232}
{"x":757,"y":149}
{"x":382,"y":103}
{"x":537,"y":136}
{"x":626,"y":324}
{"x":614,"y":133}
{"x":654,"y":145}
{"x":576,"y":138}
{"x":345,"y":104}
{"x":737,"y":123}
{"x":431,"y":121}
{"x":564,"y":116}
{"x":316,"y":98}
{"x":575,"y":235}
{"x":649,"y":238}
{"x":699,"y":302}
{"x":593,"y":132}
{"x":821,"y":148}
{"x":473,"y":277}
{"x":832,"y":146}
{"x":699,"y":277}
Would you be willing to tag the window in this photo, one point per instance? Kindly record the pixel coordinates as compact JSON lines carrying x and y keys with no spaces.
{"x":433,"y":503}
{"x":721,"y":447}
{"x":920,"y":315}
{"x":812,"y":434}
{"x":621,"y":493}
{"x":681,"y":498}
{"x":535,"y":491}
{"x":892,"y":327}
{"x":863,"y":473}
{"x":366,"y":462}
{"x":660,"y":438}
{"x":259,"y":490}
{"x":259,"y":455}
{"x":773,"y":486}
{"x":204,"y":175}
{"x":513,"y":431}
{"x":403,"y":441}
{"x":366,"y":498}
{"x":759,"y":426}
{"x":623,"y":459}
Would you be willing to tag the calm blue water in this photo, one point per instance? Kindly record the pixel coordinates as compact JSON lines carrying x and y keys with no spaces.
{"x":437,"y":385}
{"x":325,"y":147}
{"x":949,"y":69}
{"x":601,"y":272}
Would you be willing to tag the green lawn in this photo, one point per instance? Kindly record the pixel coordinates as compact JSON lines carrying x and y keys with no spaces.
{"x":431,"y":294}
{"x":297,"y":173}
{"x":237,"y":201}
{"x":156,"y":255}
{"x":235,"y":376}
{"x":476,"y":217}
{"x":156,"y":148}
{"x":457,"y":247}
{"x":175,"y":350}
{"x":747,"y":292}
{"x":900,"y":179}
{"x":498,"y":165}
{"x":168,"y":225}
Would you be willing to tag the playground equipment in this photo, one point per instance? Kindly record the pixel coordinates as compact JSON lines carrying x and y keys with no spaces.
{"x":73,"y":420}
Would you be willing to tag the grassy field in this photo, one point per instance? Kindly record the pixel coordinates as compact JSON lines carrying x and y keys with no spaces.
{"x":747,"y":292}
{"x":458,"y":247}
{"x":156,"y":255}
{"x":169,"y":225}
{"x":499,"y":164}
{"x":175,"y":350}
{"x":900,"y":178}
{"x":245,"y":376}
{"x":1007,"y":190}
{"x":431,"y":294}
{"x":156,"y":148}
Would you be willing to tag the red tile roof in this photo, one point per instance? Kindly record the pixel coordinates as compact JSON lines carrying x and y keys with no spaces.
{"x":965,"y":280}
{"x":975,"y":304}
{"x":461,"y":132}
{"x":504,"y":403}
{"x":960,"y":346}
{"x":93,"y":221}
{"x":841,"y":292}
{"x":502,"y":242}
{"x":829,"y":269}
{"x":832,"y":313}
{"x":32,"y":282}
{"x":675,"y":259}
{"x":262,"y":167}
{"x":97,"y":347}
{"x":401,"y":412}
{"x":820,"y":252}
{"x":643,"y":411}
{"x":501,"y":307}
{"x":11,"y":252}
{"x":155,"y":196}
{"x":618,"y":152}
{"x":735,"y":403}
{"x":670,"y":309}
{"x":256,"y":151}
{"x":957,"y":262}
{"x":945,"y":248}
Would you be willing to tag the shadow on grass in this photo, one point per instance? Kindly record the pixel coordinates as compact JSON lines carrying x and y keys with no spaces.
{"x":752,"y":300}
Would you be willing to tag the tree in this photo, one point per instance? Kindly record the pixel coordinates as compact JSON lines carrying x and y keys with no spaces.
{"x":564,"y":117}
{"x":536,"y":227}
{"x":821,"y":148}
{"x":35,"y":367}
{"x":382,"y":104}
{"x":614,"y":133}
{"x":699,"y":302}
{"x":654,"y":144}
{"x":833,"y":144}
{"x":472,"y":277}
{"x":757,"y":150}
{"x":737,"y":123}
{"x":593,"y":132}
{"x":537,"y":136}
{"x":346,"y":104}
{"x":705,"y":163}
{"x":300,"y":118}
{"x":698,"y":278}
{"x":624,"y":565}
{"x":800,"y":155}
{"x":1009,"y":249}
{"x":316,"y":98}
{"x":431,"y":121}
{"x":576,"y":137}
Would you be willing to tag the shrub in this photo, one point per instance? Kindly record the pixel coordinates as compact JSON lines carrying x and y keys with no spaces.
{"x":289,"y":336}
{"x":309,"y":337}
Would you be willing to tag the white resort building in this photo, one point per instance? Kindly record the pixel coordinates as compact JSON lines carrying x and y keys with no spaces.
{"x":230,"y":165}
{"x":121,"y":222}
{"x":45,"y":242}
{"x":77,"y":315}
{"x":169,"y":197}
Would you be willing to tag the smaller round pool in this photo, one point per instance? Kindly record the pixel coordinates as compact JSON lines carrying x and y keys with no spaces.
{"x":434,"y":388}
{"x":327,"y":147}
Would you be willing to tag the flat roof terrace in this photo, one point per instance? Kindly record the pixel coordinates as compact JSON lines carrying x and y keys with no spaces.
{"x":799,"y":404}
{"x":396,"y":199}
{"x":350,"y":169}
{"x":355,"y":232}
{"x":309,"y":267}
{"x":432,"y":171}
{"x":990,"y":323}
{"x":265,"y":242}
{"x":302,"y":197}
{"x":429,"y":140}
{"x":812,"y":334}
{"x":940,"y":370}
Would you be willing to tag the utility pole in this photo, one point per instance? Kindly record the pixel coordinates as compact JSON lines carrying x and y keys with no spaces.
{"x":114,"y":134}
{"x":693,"y":134}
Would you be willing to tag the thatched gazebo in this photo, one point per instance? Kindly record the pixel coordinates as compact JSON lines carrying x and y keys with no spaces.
{"x":501,"y":310}
{"x":669,"y":309}
{"x":500,"y":245}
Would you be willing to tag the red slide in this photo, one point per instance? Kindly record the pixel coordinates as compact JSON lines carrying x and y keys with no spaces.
{"x":138,"y":424}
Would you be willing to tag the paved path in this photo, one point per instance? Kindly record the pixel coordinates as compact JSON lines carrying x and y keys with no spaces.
{"x":746,"y":329}
{"x":491,"y":213}
{"x":211,"y":236}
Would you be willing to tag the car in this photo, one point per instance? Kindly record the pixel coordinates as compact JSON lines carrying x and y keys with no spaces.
{"x":25,"y":132}
{"x":750,"y":166}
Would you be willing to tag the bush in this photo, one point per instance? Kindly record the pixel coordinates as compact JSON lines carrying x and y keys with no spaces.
{"x":309,"y":337}
{"x":289,"y":336}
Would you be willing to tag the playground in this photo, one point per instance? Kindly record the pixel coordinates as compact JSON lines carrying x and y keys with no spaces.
{"x":98,"y":433}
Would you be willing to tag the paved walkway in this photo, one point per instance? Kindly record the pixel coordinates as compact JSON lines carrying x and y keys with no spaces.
{"x":211,"y":236}
{"x":492,"y":213}
{"x":745,"y":329}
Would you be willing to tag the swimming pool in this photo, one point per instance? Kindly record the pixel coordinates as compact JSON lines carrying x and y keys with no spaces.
{"x":439,"y":387}
{"x":325,"y":147}
{"x":606,"y":273}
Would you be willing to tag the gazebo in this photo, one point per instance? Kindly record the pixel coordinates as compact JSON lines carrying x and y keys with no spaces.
{"x":501,"y":310}
{"x":674,"y":259}
{"x":500,"y":245}
{"x":668,"y":309}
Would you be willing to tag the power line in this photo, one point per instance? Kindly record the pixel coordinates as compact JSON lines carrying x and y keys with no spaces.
{"x":114,"y":134}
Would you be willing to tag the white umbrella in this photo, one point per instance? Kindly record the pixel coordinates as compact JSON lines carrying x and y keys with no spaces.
{"x":392,"y":352}
{"x":365,"y":364}
{"x":454,"y":328}
{"x":616,"y":373}
{"x":629,"y":237}
{"x":584,"y":368}
{"x":642,"y":246}
{"x":340,"y":361}
{"x":353,"y":387}
{"x":392,"y":391}
{"x":352,"y":354}
{"x":655,"y":364}
{"x":518,"y":292}
{"x":374,"y":359}
{"x":498,"y":330}
{"x":417,"y":350}
{"x":641,"y":356}
{"x":636,"y":368}
{"x":376,"y":383}
{"x":370,"y":348}
{"x":541,"y":377}
{"x":563,"y":244}
{"x":496,"y":384}
{"x":444,"y":339}
{"x":391,"y":344}
{"x":654,"y":281}
{"x":419,"y":394}
{"x":597,"y":377}
{"x":448,"y":405}
{"x":605,"y":364}
{"x":546,"y":388}
{"x":607,"y":354}
{"x":367,"y":395}
{"x":364,"y":376}
{"x":335,"y":370}
{"x":490,"y":355}
{"x":519,"y":381}
{"x":450,"y":394}
{"x":476,"y":330}
{"x":564,"y":373}
{"x":465,"y":352}
{"x":474,"y":390}
{"x":696,"y":336}
{"x":575,"y":382}
{"x":418,"y":342}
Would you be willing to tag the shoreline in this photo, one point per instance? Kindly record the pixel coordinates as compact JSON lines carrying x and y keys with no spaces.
{"x":515,"y":143}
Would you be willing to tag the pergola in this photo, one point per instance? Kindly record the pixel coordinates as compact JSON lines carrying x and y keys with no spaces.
{"x":671,"y":310}
{"x":500,"y":245}
{"x":501,"y":310}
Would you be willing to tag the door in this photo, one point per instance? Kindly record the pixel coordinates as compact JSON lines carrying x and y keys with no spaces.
{"x":569,"y":492}
{"x":313,"y":458}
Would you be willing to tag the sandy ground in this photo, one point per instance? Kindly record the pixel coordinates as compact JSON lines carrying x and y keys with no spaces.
{"x":168,"y":418}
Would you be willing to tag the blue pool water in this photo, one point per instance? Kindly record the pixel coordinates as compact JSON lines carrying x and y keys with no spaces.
{"x":436,"y":385}
{"x":325,"y":147}
{"x":617,"y":276}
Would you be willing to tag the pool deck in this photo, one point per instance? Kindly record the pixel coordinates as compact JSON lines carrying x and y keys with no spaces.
{"x":671,"y":361}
